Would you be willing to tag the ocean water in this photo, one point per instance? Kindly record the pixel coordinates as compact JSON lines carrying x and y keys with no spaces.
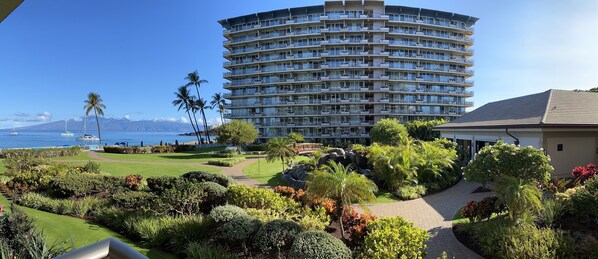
{"x":54,"y":139}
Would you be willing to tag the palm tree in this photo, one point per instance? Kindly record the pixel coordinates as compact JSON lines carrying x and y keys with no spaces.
{"x":201,"y":105}
{"x":94,"y":102}
{"x":296,"y":138}
{"x":194,"y":80}
{"x":219,"y":102}
{"x":518,"y":195}
{"x":183,"y":101}
{"x":279,"y":148}
{"x":194,"y":109}
{"x":342,"y":185}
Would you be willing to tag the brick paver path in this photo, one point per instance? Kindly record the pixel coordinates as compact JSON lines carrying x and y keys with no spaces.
{"x":435,"y":213}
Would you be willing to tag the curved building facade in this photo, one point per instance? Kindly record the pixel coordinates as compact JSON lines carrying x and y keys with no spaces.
{"x":330,"y":72}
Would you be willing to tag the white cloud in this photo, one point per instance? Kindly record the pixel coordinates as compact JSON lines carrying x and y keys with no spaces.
{"x":214,"y":121}
{"x":40,"y":117}
{"x":184,"y":120}
{"x":44,"y":116}
{"x":127,"y":116}
{"x":21,"y":114}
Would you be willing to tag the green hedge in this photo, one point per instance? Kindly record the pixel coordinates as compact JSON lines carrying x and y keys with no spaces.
{"x":200,"y":176}
{"x":319,"y":245}
{"x":127,"y":150}
{"x":393,"y":238}
{"x":162,"y":149}
{"x":228,"y":162}
{"x":84,"y":184}
{"x":40,"y":153}
{"x":259,"y":198}
{"x":260,"y":147}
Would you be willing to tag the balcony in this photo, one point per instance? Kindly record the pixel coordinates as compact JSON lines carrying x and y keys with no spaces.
{"x":385,"y":112}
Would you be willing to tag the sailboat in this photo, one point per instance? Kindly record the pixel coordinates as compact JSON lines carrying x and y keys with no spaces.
{"x":14,"y":133}
{"x":66,"y":133}
{"x":87,"y":137}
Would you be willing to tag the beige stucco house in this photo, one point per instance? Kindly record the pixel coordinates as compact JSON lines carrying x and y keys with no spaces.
{"x":563,"y":123}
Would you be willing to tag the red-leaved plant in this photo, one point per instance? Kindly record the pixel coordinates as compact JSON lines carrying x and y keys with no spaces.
{"x":584,"y":172}
{"x":133,"y":181}
{"x":356,"y":225}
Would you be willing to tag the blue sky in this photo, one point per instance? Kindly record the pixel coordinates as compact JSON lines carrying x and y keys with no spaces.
{"x":136,"y":53}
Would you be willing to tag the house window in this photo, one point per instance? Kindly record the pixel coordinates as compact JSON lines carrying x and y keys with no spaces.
{"x":559,"y":147}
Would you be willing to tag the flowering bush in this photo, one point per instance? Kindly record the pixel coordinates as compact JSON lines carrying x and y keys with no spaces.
{"x":312,"y":200}
{"x":355,"y":224}
{"x":393,"y":238}
{"x":133,"y":182}
{"x":492,"y":162}
{"x":584,"y":172}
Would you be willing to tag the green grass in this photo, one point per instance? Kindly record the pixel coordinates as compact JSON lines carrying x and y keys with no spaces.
{"x":59,"y":228}
{"x":268,"y":173}
{"x":185,"y":157}
{"x":2,"y":167}
{"x":147,"y":170}
{"x":384,"y":196}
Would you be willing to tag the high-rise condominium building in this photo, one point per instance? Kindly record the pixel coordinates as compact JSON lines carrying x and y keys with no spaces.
{"x":331,"y":71}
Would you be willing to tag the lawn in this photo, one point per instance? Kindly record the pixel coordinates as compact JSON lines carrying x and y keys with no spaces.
{"x":202,"y":155}
{"x":384,"y":196}
{"x":148,"y":170}
{"x":268,"y":173}
{"x":59,"y":228}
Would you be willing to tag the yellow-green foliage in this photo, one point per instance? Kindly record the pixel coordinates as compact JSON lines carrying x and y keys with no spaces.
{"x":228,"y":162}
{"x":258,"y":198}
{"x":393,"y":238}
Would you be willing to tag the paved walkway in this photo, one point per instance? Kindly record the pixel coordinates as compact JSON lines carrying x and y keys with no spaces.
{"x":433,"y":213}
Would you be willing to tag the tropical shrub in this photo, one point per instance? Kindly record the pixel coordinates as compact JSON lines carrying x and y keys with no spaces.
{"x":215,"y":194}
{"x":31,"y":174}
{"x":519,"y":196}
{"x":92,"y":167}
{"x":436,"y":157}
{"x":482,"y":209}
{"x":498,"y":237}
{"x":258,"y":198}
{"x":183,"y":148}
{"x":308,"y":219}
{"x":388,"y":132}
{"x":314,"y":201}
{"x":395,"y":166}
{"x":133,"y":182}
{"x":584,"y":202}
{"x":4,"y":179}
{"x":226,"y":213}
{"x":584,"y":173}
{"x":185,"y":198}
{"x":19,"y":238}
{"x":290,"y":192}
{"x":276,"y":236}
{"x":393,"y":238}
{"x":552,"y":210}
{"x":160,"y":183}
{"x":134,"y":200}
{"x":342,"y":185}
{"x":492,"y":162}
{"x":199,"y":176}
{"x":319,"y":245}
{"x":356,"y":225}
{"x":228,"y":162}
{"x":423,"y":130}
{"x":84,"y":184}
{"x":240,"y":229}
{"x":410,"y":192}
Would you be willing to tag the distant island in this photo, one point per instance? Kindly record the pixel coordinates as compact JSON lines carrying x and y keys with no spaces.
{"x":110,"y":124}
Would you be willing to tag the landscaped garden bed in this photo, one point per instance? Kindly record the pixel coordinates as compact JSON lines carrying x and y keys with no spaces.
{"x":521,"y":222}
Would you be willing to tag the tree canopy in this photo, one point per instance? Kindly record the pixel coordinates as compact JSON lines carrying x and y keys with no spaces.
{"x":237,"y":132}
{"x":422,"y":130}
{"x":388,"y":132}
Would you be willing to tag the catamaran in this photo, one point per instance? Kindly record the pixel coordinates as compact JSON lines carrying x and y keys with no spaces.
{"x":14,"y":133}
{"x":87,"y":137}
{"x":66,"y":133}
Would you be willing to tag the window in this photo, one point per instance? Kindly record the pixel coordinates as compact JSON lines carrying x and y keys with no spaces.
{"x":559,"y":147}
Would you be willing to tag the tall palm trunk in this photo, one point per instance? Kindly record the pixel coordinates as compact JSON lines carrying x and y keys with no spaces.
{"x":98,"y":122}
{"x":197,"y":132}
{"x":222,"y":117}
{"x":205,"y":124}
{"x":194,"y":130}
